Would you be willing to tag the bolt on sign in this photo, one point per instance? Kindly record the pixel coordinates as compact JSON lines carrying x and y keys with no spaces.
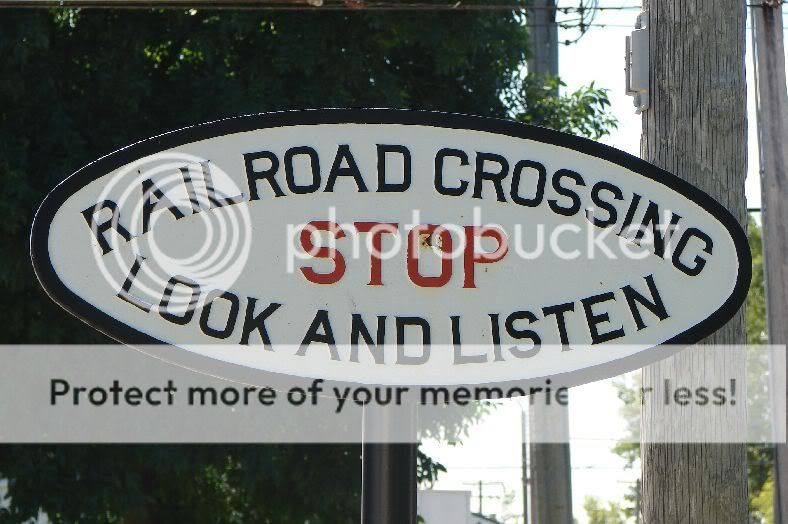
{"x":391,"y":247}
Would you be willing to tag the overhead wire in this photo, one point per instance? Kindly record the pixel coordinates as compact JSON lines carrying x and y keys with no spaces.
{"x":586,"y":11}
{"x":588,"y":8}
{"x":307,"y":5}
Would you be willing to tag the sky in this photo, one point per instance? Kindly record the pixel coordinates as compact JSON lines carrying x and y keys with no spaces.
{"x":492,"y":451}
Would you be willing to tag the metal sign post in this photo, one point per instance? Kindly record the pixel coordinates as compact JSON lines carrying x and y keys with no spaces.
{"x":388,"y":478}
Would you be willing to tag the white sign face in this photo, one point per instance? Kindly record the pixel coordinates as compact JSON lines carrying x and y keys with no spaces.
{"x":391,"y":247}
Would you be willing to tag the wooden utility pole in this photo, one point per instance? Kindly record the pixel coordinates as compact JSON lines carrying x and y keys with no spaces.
{"x":526,"y":475}
{"x":543,"y":34}
{"x":551,"y":471}
{"x":696,"y":128}
{"x":767,"y":26}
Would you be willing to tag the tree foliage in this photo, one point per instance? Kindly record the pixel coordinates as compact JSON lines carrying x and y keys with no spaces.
{"x":759,"y":456}
{"x":762,"y":502}
{"x":77,"y":84}
{"x":168,"y":483}
{"x":582,"y":112}
{"x":598,"y":513}
{"x":757,"y":332}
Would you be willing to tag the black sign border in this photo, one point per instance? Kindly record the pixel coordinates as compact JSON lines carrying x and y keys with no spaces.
{"x":123,"y":333}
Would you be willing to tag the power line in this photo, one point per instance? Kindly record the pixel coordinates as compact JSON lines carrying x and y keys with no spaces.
{"x":344,"y":5}
{"x":295,"y":5}
{"x":308,"y":5}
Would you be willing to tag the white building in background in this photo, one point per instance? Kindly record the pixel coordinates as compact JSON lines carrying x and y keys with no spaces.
{"x":449,"y":507}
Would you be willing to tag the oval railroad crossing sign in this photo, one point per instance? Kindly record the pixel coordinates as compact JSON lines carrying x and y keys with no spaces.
{"x":391,"y":247}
